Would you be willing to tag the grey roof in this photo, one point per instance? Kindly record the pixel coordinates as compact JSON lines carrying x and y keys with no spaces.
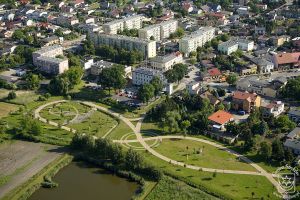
{"x":102,"y":64}
{"x":51,"y":38}
{"x":294,"y":144}
{"x":294,"y":133}
{"x":51,"y":59}
{"x":260,"y":61}
{"x":228,"y":43}
{"x":198,"y":33}
{"x":294,"y":112}
{"x":46,"y":49}
{"x":163,"y":59}
{"x":147,"y":71}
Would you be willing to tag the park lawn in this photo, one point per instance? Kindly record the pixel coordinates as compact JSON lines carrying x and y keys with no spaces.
{"x":119,"y":131}
{"x":169,"y":189}
{"x":228,"y":186}
{"x":6,"y":108}
{"x":98,"y":124}
{"x":24,"y":97}
{"x":211,"y":157}
{"x":150,"y":127}
{"x":54,"y":135}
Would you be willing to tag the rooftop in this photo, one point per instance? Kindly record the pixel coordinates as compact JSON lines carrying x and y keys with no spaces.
{"x":285,"y":58}
{"x":221,"y":117}
{"x":200,"y":32}
{"x":245,"y":95}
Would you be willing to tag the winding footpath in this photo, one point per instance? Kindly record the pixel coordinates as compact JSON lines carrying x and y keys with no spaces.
{"x":136,"y":129}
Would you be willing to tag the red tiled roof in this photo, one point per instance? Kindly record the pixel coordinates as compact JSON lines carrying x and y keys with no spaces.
{"x":285,"y":58}
{"x":221,"y":117}
{"x":245,"y":95}
{"x":214,"y":72}
{"x":218,"y":15}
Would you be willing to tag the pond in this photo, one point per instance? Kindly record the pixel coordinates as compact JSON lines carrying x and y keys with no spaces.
{"x":79,"y":181}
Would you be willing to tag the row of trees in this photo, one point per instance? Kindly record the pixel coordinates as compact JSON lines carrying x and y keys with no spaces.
{"x":177,"y":73}
{"x":118,"y":55}
{"x":150,"y":90}
{"x":113,"y":77}
{"x":106,"y":150}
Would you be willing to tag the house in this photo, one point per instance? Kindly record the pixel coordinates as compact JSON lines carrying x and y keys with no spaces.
{"x":264,"y":66}
{"x":279,"y":40}
{"x":210,"y":97}
{"x":213,"y":74}
{"x":273,"y":109}
{"x":219,"y":119}
{"x":286,"y":60}
{"x":165,"y":63}
{"x":228,"y":47}
{"x":187,"y":6}
{"x":292,"y":142}
{"x":260,"y":30}
{"x":193,"y":87}
{"x":294,"y":114}
{"x":249,"y":69}
{"x":245,"y":101}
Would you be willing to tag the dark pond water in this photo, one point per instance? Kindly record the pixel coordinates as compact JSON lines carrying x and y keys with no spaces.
{"x":80,"y":181}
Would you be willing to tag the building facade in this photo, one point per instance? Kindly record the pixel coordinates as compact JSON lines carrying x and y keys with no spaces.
{"x":132,"y":22}
{"x":141,"y":76}
{"x":146,"y":47}
{"x":49,"y":61}
{"x":165,"y":63}
{"x":197,"y":39}
{"x":159,"y":31}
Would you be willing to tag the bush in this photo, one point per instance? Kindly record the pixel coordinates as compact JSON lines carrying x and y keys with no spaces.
{"x":11,"y":95}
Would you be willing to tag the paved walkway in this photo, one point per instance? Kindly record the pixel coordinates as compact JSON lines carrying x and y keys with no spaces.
{"x":136,"y":129}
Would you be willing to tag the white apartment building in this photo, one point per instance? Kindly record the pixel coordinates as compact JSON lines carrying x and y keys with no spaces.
{"x":47,"y":61}
{"x":141,"y":76}
{"x":146,"y":47}
{"x":245,"y":45}
{"x":132,"y":22}
{"x":159,"y":31}
{"x":197,"y":39}
{"x":228,"y":47}
{"x":193,"y":87}
{"x":164,"y":63}
{"x":231,"y":46}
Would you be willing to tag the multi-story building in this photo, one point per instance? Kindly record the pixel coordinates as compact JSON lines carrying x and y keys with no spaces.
{"x":228,"y":47}
{"x":146,"y":47}
{"x":197,"y":39}
{"x":132,"y":22}
{"x":159,"y":31}
{"x":245,"y":101}
{"x":141,"y":76}
{"x":273,"y":109}
{"x":245,"y":45}
{"x":65,"y":20}
{"x":50,"y":60}
{"x":286,"y":60}
{"x":164,"y":63}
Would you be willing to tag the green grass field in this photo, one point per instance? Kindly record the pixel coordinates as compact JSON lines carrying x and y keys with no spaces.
{"x":169,"y":189}
{"x":211,"y":157}
{"x":230,"y":186}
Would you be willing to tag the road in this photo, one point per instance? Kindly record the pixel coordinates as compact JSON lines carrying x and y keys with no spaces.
{"x":21,"y":160}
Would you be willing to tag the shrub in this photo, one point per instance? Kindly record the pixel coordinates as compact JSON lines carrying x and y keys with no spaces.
{"x":11,"y":95}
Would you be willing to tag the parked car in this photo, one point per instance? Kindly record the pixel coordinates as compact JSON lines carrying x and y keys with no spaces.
{"x":241,"y":112}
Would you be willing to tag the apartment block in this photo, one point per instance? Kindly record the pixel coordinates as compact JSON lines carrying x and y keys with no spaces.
{"x":159,"y":31}
{"x":164,"y":63}
{"x":228,"y":47}
{"x":132,"y":22}
{"x":197,"y":39}
{"x":50,"y":60}
{"x":141,"y":76}
{"x":146,"y":47}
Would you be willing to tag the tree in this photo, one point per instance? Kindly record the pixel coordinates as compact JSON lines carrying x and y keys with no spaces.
{"x":185,"y":124}
{"x":88,"y":47}
{"x":113,"y":77}
{"x":74,"y":75}
{"x":277,"y":150}
{"x":157,"y":84}
{"x":170,"y":121}
{"x":133,"y":160}
{"x":265,"y":150}
{"x":231,"y":79}
{"x":32,"y":81}
{"x":18,"y":34}
{"x":59,"y":85}
{"x":146,"y":92}
{"x":11,"y":95}
{"x":284,"y":123}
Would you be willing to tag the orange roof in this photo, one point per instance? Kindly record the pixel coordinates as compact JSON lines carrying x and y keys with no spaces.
{"x":285,"y":58}
{"x":221,"y":117}
{"x":214,"y":72}
{"x":245,"y":95}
